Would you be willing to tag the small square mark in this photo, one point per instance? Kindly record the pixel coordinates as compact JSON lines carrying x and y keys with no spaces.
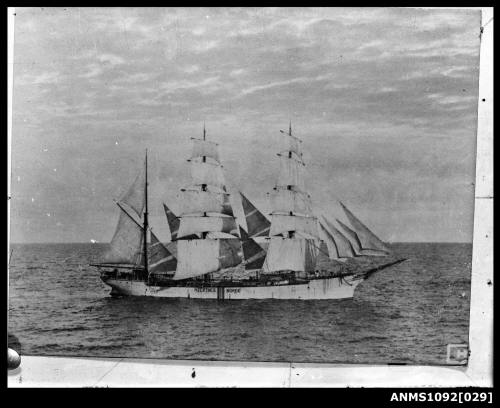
{"x":457,"y":354}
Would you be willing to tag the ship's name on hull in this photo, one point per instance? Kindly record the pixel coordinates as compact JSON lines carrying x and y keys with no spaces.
{"x":212,"y":290}
{"x":204,"y":289}
{"x":233,"y":290}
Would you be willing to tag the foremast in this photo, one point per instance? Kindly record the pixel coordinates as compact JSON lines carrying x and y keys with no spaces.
{"x":129,"y":246}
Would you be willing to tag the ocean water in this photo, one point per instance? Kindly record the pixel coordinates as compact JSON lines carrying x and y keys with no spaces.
{"x":404,"y":314}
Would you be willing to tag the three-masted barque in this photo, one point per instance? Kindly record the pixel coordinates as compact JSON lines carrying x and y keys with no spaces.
{"x":209,"y":250}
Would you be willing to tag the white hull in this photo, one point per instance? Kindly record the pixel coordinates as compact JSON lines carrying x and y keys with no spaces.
{"x":328,"y":288}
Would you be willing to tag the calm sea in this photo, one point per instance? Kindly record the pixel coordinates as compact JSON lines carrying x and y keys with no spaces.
{"x":407,"y":313}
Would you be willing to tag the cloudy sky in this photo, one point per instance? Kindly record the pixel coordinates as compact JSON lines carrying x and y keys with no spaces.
{"x":385,"y":101}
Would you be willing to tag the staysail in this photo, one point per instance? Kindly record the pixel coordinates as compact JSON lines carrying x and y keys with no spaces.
{"x":342,"y":244}
{"x":173,"y":222}
{"x":367,"y":238}
{"x":257,"y":223}
{"x":352,"y":236}
{"x":297,"y":247}
{"x":160,"y":258}
{"x":356,"y":243}
{"x":253,"y":253}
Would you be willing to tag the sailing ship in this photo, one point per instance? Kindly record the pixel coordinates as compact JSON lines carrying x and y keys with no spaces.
{"x":211,"y":256}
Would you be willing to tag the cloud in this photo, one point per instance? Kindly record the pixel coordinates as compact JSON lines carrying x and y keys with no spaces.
{"x":109,"y":59}
{"x":38,"y":79}
{"x":383,"y":97}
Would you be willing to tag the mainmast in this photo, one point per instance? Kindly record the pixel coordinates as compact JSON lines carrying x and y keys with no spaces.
{"x":145,"y":226}
{"x":206,"y":240}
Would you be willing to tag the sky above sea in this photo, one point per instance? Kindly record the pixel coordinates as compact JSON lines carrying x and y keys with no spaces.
{"x":384,"y":99}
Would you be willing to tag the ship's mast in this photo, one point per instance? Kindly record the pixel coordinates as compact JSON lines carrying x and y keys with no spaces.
{"x":145,"y":226}
{"x":204,"y":187}
{"x":293,"y":228}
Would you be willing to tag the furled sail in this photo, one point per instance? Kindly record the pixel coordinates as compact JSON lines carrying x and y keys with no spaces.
{"x":257,"y":223}
{"x":204,"y":173}
{"x":305,"y":225}
{"x":286,"y":201}
{"x":204,"y":148}
{"x":199,"y":202}
{"x":344,"y":247}
{"x":294,"y":254}
{"x":135,"y":196}
{"x":367,"y":238}
{"x":194,"y":225}
{"x":126,"y":244}
{"x":201,"y":256}
{"x":253,"y":253}
{"x":160,"y":259}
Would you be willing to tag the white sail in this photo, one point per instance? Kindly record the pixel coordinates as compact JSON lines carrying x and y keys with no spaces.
{"x":199,"y":202}
{"x":367,"y":238}
{"x":135,"y":196}
{"x":291,"y":173}
{"x":196,"y":257}
{"x":207,"y":173}
{"x":352,"y":236}
{"x":201,"y":256}
{"x":344,"y":247}
{"x":330,"y":242}
{"x":205,"y":148}
{"x":286,"y":201}
{"x":226,"y":205}
{"x":126,"y":244}
{"x":193,"y":224}
{"x":292,"y":144}
{"x":295,"y":254}
{"x":305,"y":225}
